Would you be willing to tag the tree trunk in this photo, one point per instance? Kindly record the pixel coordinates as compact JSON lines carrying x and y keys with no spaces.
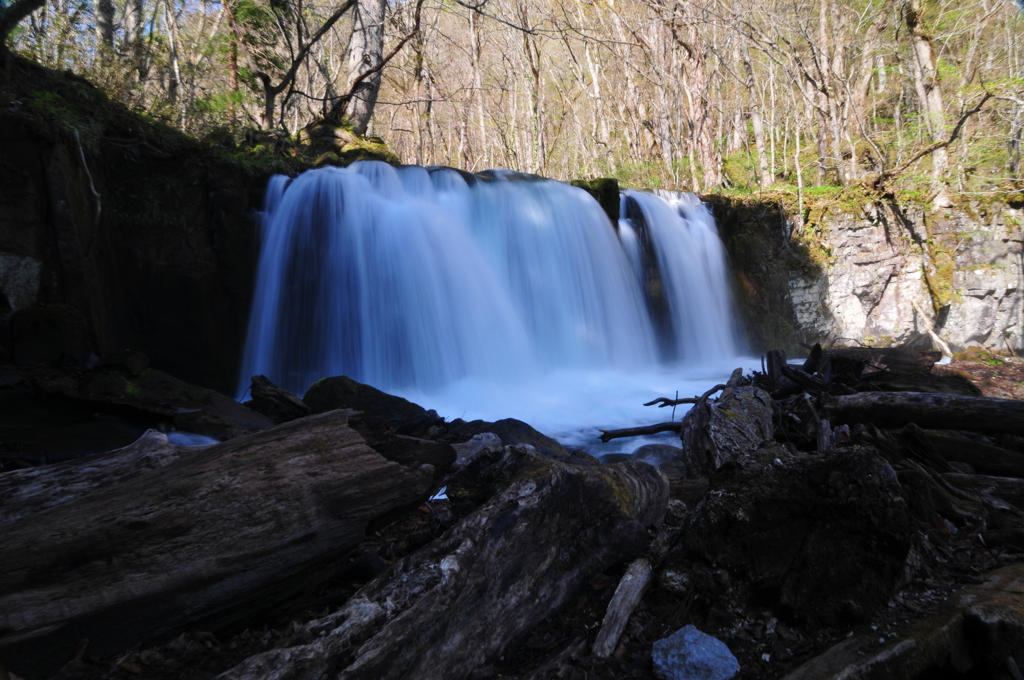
{"x":133,"y":27}
{"x":152,"y":538}
{"x":929,"y":411}
{"x":986,"y":459}
{"x":717,"y":432}
{"x":926,"y":82}
{"x":11,"y":16}
{"x":365,"y":51}
{"x":105,"y":24}
{"x":455,"y":605}
{"x":763,"y":176}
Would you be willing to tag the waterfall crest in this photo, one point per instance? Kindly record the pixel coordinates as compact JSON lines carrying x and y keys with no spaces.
{"x":413,"y":279}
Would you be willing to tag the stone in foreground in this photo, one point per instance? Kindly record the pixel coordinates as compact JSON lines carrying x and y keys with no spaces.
{"x":689,"y":654}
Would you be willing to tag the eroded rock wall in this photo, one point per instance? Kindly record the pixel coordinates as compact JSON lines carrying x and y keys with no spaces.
{"x":851,"y":272}
{"x":963,"y":268}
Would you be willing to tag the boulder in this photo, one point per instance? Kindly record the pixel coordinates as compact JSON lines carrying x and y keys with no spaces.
{"x":689,"y":654}
{"x":380,"y":411}
{"x":671,"y":459}
{"x":820,"y":537}
{"x":510,"y":431}
{"x":276,"y":403}
{"x":479,"y":445}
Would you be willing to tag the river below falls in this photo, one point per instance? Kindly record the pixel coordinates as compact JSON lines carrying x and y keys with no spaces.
{"x":573,"y":406}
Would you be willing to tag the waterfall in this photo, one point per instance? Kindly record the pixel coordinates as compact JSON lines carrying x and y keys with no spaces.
{"x":416,"y":280}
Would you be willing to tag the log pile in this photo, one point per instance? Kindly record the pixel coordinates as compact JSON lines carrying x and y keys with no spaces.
{"x":147,"y":540}
{"x":818,"y":498}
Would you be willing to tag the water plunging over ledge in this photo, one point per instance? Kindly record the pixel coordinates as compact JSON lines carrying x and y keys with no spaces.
{"x":490,"y":296}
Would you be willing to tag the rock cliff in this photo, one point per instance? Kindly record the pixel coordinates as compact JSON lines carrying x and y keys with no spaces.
{"x":854,"y":270}
{"x":117,"y":232}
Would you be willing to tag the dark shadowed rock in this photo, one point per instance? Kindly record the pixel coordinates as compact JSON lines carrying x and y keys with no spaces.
{"x":188,"y":407}
{"x":276,"y":403}
{"x":381,"y":411}
{"x":412,"y":451}
{"x":824,"y":537}
{"x":671,"y":459}
{"x":127,"y":361}
{"x":511,"y":431}
{"x":457,"y":603}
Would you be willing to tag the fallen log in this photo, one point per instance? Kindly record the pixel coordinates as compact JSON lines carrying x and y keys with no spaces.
{"x":894,"y":359}
{"x":456,"y":604}
{"x":662,"y":402}
{"x":716,"y":432}
{"x":929,"y":411}
{"x":210,"y":538}
{"x":608,"y":435}
{"x":629,"y":593}
{"x":1004,"y":488}
{"x":985,"y":458}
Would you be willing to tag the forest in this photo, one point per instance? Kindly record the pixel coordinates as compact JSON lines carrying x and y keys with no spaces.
{"x":696,"y":94}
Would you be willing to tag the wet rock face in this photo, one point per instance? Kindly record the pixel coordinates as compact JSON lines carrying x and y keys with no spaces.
{"x":276,"y":403}
{"x":166,"y":266}
{"x":820,"y":537}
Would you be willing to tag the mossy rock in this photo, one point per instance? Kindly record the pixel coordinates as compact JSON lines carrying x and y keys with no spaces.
{"x":605,"y":191}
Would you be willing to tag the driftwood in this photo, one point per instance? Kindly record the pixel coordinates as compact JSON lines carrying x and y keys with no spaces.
{"x":148,"y":540}
{"x":716,"y":432}
{"x":1004,"y":488}
{"x":931,"y":411}
{"x":985,"y":458}
{"x":456,"y":604}
{"x":631,"y":590}
{"x":776,"y":360}
{"x":608,"y":435}
{"x":662,"y":402}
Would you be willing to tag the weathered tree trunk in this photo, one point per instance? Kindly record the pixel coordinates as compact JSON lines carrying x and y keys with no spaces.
{"x":627,"y":596}
{"x":930,"y":411}
{"x":105,"y":23}
{"x":1008,"y":489}
{"x":717,"y":432}
{"x":456,"y":604}
{"x":133,"y":25}
{"x":926,"y":82}
{"x":152,"y":538}
{"x":365,"y":51}
{"x":986,"y":459}
{"x":764,"y":178}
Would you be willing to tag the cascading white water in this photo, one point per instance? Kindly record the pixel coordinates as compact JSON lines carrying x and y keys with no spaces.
{"x":500,"y":296}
